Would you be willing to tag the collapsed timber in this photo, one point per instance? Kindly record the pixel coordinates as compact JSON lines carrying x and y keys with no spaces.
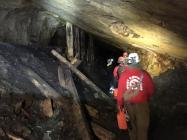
{"x":50,"y":114}
{"x":100,"y":132}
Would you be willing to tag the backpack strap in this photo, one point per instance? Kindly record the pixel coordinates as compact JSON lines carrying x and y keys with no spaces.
{"x":120,"y":70}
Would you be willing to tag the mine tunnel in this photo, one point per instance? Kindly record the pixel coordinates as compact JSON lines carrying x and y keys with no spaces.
{"x":54,"y":78}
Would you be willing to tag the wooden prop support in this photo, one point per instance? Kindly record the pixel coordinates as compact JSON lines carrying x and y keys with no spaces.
{"x":69,"y":37}
{"x":66,"y":81}
{"x":99,"y":94}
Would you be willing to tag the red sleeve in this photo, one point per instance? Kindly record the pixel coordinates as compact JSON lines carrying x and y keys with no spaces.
{"x":115,"y":72}
{"x":120,"y":101}
{"x":149,"y":85}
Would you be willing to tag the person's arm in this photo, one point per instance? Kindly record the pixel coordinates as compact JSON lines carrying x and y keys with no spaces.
{"x":115,"y":74}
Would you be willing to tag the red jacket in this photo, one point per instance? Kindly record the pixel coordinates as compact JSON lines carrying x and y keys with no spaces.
{"x":131,"y":76}
{"x":115,"y":72}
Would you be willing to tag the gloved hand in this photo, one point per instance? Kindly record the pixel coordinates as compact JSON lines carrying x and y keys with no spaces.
{"x":111,"y":90}
{"x":110,"y":61}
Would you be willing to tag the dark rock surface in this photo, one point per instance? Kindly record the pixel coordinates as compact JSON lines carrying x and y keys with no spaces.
{"x":27,"y":26}
{"x":13,"y":60}
{"x":22,"y":117}
{"x":24,"y":113}
{"x":169,"y":106}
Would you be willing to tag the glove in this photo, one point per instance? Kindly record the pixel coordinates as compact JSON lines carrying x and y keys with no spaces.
{"x":110,"y":61}
{"x":111,"y":90}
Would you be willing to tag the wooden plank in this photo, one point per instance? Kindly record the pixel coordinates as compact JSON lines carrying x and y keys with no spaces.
{"x":69,"y":40}
{"x":78,"y":111}
{"x":66,"y":80}
{"x":68,"y":83}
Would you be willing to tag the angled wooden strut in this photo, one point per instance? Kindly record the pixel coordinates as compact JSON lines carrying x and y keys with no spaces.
{"x":66,"y":81}
{"x":100,"y":94}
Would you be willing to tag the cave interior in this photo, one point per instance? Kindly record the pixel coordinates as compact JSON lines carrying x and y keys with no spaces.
{"x":43,"y":97}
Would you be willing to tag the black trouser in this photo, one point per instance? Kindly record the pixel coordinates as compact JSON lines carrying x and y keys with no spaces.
{"x":139,"y":119}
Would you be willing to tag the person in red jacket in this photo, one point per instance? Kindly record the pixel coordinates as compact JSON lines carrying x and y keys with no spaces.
{"x":135,"y":88}
{"x":114,"y":83}
{"x":121,"y":62}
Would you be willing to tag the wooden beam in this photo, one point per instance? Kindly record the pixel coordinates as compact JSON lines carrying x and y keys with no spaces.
{"x":99,"y":94}
{"x":69,"y":40}
{"x":84,"y":129}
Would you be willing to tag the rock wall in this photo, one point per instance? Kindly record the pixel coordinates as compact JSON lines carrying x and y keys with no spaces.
{"x":169,"y":105}
{"x":26,"y":25}
{"x":155,"y":63}
{"x":14,"y":60}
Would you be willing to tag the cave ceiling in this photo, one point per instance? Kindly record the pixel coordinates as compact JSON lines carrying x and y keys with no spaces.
{"x":155,"y":25}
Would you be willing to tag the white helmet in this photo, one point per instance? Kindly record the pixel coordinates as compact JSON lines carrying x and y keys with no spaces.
{"x":133,"y":58}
